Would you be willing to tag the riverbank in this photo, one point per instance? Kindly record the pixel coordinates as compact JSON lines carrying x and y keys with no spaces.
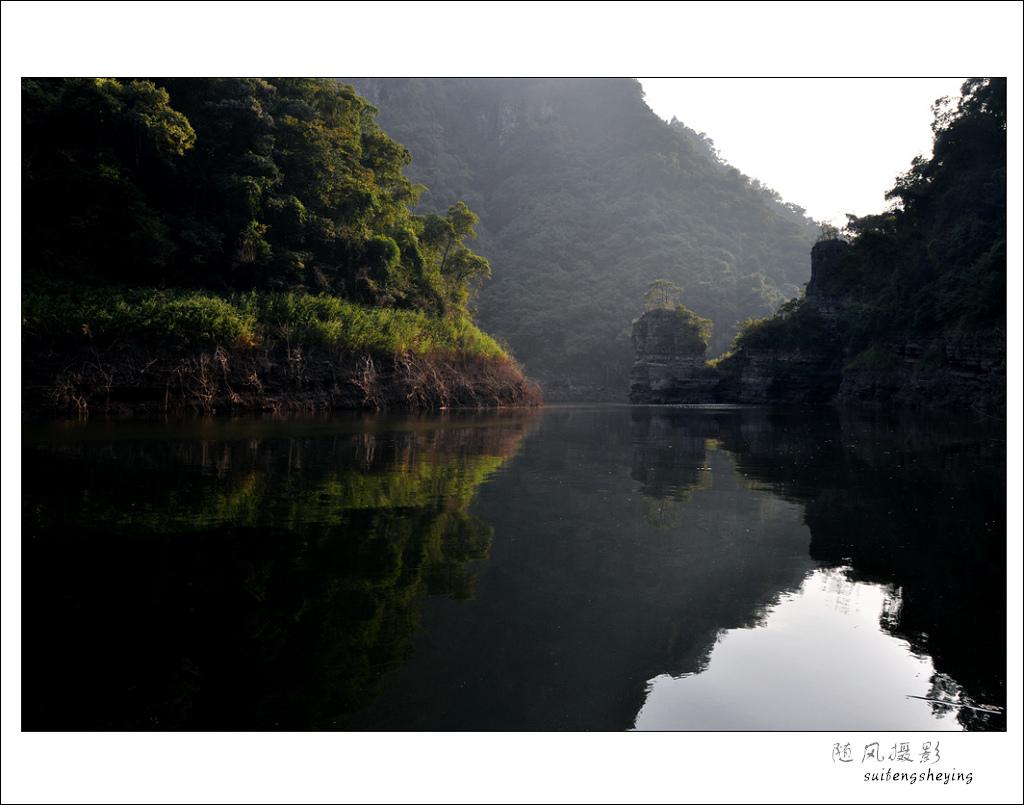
{"x":129,"y":380}
{"x":123,"y":351}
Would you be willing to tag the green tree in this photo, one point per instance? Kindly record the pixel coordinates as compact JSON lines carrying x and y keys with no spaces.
{"x":302,"y":163}
{"x":230,"y":184}
{"x":443,"y":239}
{"x":942,"y":243}
{"x":662,"y":294}
{"x":935,"y":260}
{"x":97,"y":152}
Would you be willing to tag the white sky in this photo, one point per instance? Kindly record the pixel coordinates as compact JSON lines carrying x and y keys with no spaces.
{"x":833,"y":146}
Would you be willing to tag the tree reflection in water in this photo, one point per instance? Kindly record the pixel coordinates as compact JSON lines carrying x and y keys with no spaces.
{"x":250,"y":581}
{"x":309,"y":574}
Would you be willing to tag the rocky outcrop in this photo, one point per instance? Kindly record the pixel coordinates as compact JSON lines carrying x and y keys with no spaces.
{"x":948,"y":369}
{"x":823,"y":289}
{"x":671,"y":360}
{"x":771,"y":377}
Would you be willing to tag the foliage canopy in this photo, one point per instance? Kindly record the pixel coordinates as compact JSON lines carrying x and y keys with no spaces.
{"x":232,"y":184}
{"x":935,"y":259}
{"x":662,"y":294}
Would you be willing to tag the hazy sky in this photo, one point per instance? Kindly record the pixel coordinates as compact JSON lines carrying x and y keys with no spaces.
{"x":831,"y":145}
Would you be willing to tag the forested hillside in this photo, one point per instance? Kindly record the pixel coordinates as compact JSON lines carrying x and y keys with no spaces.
{"x":585,"y":197}
{"x":254,"y":220}
{"x":230,"y":184}
{"x":909,"y":305}
{"x":936,"y":259}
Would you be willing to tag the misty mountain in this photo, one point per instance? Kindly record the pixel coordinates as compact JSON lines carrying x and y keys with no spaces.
{"x":585,"y":196}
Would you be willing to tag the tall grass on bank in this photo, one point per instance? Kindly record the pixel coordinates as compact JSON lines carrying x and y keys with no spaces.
{"x":245,"y":322}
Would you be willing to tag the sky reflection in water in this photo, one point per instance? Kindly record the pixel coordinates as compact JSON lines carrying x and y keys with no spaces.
{"x":580,"y":568}
{"x":820,"y":662}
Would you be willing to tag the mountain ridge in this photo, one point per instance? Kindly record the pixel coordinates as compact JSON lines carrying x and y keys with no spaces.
{"x":585,"y":196}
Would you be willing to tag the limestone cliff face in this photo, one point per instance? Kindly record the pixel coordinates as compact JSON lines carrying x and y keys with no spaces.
{"x":671,"y":361}
{"x":810,"y":373}
{"x":782,"y":376}
{"x":822,"y":290}
{"x":948,"y":369}
{"x":504,"y":105}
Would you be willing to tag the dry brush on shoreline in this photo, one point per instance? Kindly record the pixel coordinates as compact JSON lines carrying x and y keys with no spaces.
{"x":124,"y":351}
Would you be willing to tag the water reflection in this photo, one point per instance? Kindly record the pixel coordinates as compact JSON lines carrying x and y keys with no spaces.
{"x":911,"y":506}
{"x":585,"y":596}
{"x":560,"y":570}
{"x":240,"y":577}
{"x":818,"y":662}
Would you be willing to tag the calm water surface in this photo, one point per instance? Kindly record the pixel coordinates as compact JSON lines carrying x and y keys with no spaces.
{"x":576,"y":568}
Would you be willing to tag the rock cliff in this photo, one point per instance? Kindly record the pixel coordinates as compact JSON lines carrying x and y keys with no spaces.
{"x":671,"y":360}
{"x":779,"y":376}
{"x":950,"y":368}
{"x":823,"y":290}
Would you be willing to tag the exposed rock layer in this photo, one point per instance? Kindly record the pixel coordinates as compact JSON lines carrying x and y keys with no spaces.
{"x":949,"y":369}
{"x":671,"y":364}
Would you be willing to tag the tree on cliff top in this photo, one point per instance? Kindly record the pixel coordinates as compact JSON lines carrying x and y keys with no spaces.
{"x":662,"y":294}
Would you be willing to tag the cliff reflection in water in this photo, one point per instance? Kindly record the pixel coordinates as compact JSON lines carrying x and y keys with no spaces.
{"x":253,"y":574}
{"x":628,"y":543}
{"x":913,"y":505}
{"x":404,"y":574}
{"x":929,"y":521}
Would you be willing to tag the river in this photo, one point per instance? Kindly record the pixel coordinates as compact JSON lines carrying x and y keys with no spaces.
{"x":573,"y":568}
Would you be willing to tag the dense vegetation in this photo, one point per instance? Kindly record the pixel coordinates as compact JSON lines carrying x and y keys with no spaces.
{"x":585,"y":197}
{"x":797,"y":324}
{"x":237,"y":211}
{"x":243,"y":321}
{"x":937,"y":257}
{"x":935,"y":260}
